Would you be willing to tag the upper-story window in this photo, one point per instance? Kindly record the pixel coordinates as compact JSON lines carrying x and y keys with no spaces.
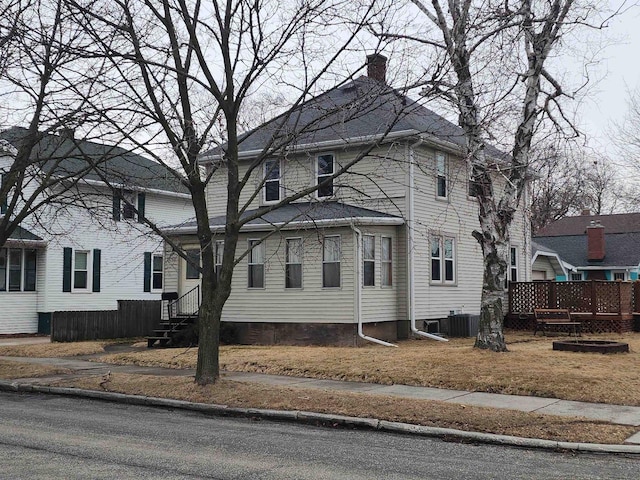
{"x":473,"y":185}
{"x":325,"y":169}
{"x":441,"y":175}
{"x":128,"y":205}
{"x":272,"y":181}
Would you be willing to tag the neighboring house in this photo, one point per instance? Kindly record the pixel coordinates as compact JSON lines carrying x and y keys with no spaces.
{"x":86,"y":249}
{"x":592,"y":247}
{"x":546,"y":264}
{"x":387,"y":243}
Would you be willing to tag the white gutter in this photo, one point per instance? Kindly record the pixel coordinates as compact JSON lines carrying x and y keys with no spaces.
{"x":358,"y":282}
{"x":410,"y":251}
{"x":18,"y":242}
{"x":262,"y":227}
{"x":157,"y":191}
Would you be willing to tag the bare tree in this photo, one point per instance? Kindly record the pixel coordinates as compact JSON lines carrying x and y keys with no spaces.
{"x":182,"y":73}
{"x":44,"y":81}
{"x":493,"y":59}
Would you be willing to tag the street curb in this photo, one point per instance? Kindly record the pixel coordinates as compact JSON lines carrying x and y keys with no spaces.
{"x":324,"y":419}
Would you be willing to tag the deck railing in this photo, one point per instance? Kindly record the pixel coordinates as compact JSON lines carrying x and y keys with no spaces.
{"x":591,"y":296}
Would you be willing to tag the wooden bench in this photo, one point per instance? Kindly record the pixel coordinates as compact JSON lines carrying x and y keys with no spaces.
{"x":546,"y":317}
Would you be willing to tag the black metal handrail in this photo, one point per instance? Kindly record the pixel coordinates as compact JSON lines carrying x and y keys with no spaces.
{"x":186,"y":305}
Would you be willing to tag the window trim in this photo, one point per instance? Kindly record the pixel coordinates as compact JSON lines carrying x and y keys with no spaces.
{"x":10,"y":257}
{"x":261,"y":245}
{"x":444,"y":175}
{"x":287,"y":263}
{"x":571,"y":274}
{"x":623,"y":272}
{"x":339,"y":262}
{"x":317,"y":175}
{"x":384,"y":261}
{"x":187,"y":265}
{"x":370,"y":260}
{"x":23,"y":270}
{"x":153,"y":272}
{"x":265,"y":181}
{"x":89,"y":271}
{"x":442,"y":259}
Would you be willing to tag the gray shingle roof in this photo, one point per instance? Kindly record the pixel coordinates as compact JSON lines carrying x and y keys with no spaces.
{"x":364,"y":107}
{"x":621,"y":249}
{"x":308,"y":212}
{"x":616,"y":223}
{"x":65,"y":156}
{"x":23,"y":234}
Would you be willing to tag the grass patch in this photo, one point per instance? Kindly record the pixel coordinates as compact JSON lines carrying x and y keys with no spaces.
{"x":530,"y":368}
{"x":420,"y":412}
{"x":59,"y":349}
{"x":10,"y":369}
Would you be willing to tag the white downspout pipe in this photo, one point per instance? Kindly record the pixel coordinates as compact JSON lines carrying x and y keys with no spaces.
{"x":411,"y":248}
{"x":358,"y":236}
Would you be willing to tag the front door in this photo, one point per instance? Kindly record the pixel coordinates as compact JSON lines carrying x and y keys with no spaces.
{"x":189,"y":274}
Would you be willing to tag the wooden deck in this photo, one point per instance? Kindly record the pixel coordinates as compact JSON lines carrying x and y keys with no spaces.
{"x":607,"y":306}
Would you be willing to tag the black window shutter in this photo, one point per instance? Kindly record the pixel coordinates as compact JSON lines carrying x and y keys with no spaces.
{"x":116,"y":205}
{"x":147,"y":271}
{"x":141,"y":202}
{"x":66,"y":269}
{"x":95,"y":285}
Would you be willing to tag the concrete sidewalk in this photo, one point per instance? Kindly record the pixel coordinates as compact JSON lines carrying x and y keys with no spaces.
{"x":618,"y":414}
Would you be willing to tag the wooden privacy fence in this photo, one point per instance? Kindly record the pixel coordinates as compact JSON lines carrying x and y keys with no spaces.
{"x":591,"y":296}
{"x":134,"y":318}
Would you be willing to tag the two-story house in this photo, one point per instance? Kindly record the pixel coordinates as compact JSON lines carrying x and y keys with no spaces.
{"x":85,"y":249}
{"x":379,"y":251}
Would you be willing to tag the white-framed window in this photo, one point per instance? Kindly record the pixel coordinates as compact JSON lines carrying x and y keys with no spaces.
{"x":441,"y":175}
{"x":128,"y":205}
{"x":331,"y":261}
{"x":325,"y":168}
{"x":219,"y":256}
{"x":18,"y":270}
{"x":619,"y":275}
{"x":368,"y":260}
{"x":157,"y":271}
{"x":293,"y":263}
{"x":81,"y":270}
{"x":443,"y":260}
{"x":513,"y":264}
{"x":576,"y":276}
{"x":256,"y":264}
{"x":272,"y":181}
{"x":192,"y":271}
{"x":386,"y":261}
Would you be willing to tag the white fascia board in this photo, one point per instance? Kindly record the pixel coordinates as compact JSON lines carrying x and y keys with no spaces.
{"x":17,"y":242}
{"x":156,"y":191}
{"x":325,"y":145}
{"x":307,"y":224}
{"x":553,"y":257}
{"x":606,"y":267}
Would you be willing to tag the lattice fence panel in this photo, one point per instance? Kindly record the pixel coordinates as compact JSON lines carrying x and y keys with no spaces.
{"x":575,"y":296}
{"x":607,"y":295}
{"x":526,"y":296}
{"x":626,"y":297}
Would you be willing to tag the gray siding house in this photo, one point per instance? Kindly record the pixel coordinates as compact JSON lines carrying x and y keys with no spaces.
{"x":383,"y":251}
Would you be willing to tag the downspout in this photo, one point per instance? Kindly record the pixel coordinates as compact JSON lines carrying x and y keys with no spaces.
{"x":410,"y":250}
{"x":358,"y":282}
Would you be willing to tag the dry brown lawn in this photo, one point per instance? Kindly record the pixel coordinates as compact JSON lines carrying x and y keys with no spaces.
{"x":9,"y":370}
{"x":58,"y":349}
{"x":420,"y":412}
{"x":530,"y":368}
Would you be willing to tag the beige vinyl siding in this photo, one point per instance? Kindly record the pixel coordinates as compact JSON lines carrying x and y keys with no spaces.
{"x":543,"y":264}
{"x":457,"y":217}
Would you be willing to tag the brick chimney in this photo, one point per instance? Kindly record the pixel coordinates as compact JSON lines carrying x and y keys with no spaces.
{"x":377,"y":67}
{"x":595,"y":242}
{"x":585,"y":212}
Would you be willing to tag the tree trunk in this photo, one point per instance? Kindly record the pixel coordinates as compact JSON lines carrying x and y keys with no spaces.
{"x":208,"y":367}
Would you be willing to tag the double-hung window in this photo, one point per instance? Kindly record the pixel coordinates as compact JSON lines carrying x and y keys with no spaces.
{"x":193,"y":264}
{"x":441,"y":175}
{"x":17,"y":270}
{"x":331,"y":261}
{"x":218,"y":259}
{"x":368,"y":260}
{"x":256,"y":264}
{"x":386,"y":261}
{"x":81,"y":270}
{"x":272,"y":181}
{"x":325,"y":170}
{"x":293,"y":265}
{"x":157,"y":272}
{"x":513,"y":264}
{"x":443,"y":268}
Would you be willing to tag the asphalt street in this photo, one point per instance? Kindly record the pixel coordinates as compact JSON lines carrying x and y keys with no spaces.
{"x":44,"y":436}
